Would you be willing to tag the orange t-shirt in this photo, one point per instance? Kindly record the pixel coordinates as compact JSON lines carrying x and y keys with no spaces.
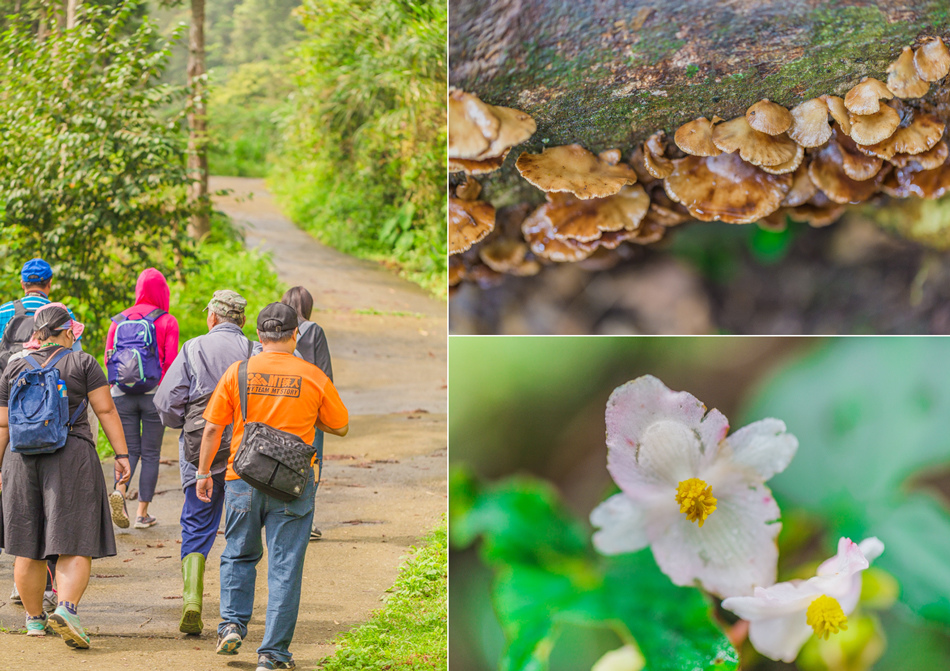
{"x":284,"y":392}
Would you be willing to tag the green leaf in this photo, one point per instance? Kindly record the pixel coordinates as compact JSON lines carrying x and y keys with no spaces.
{"x":548,"y":577}
{"x":871,"y":417}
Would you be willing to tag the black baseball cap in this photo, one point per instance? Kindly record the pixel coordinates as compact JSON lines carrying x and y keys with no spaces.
{"x":276,"y":320}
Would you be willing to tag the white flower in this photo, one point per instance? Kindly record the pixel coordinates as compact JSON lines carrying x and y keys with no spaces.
{"x":783,"y":616}
{"x":693,"y":495}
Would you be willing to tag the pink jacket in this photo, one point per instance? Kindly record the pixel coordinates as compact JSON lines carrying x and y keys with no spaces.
{"x":151,"y":291}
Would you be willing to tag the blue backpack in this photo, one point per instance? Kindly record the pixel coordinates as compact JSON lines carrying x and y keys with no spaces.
{"x":134,"y":364}
{"x":39,"y":408}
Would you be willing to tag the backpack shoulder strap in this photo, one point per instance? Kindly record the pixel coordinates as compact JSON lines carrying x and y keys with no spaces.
{"x":53,"y":360}
{"x":154,"y":314}
{"x":76,"y":415}
{"x":242,"y":388}
{"x":250,"y":348}
{"x":33,"y":362}
{"x":119,"y":318}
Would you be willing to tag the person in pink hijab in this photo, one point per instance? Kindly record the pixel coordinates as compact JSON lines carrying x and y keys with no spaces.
{"x":149,"y":318}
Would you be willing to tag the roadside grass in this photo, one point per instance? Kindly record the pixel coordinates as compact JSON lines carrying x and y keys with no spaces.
{"x":410,"y":631}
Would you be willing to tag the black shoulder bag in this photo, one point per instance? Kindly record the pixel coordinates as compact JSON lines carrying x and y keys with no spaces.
{"x":273,"y":461}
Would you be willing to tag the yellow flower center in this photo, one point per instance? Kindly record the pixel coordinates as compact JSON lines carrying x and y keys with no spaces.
{"x":696,"y":500}
{"x":825,"y":616}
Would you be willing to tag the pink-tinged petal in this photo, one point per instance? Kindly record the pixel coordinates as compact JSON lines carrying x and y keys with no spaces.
{"x":848,"y":561}
{"x":872,"y":548}
{"x":635,"y":407}
{"x":780,"y":638}
{"x":840,"y":576}
{"x":733,"y":552}
{"x":764,"y":447}
{"x":712,"y":431}
{"x":621,"y":524}
{"x":777,"y":600}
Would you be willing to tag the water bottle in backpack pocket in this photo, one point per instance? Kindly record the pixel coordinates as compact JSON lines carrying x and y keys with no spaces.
{"x":134,"y":365}
{"x":39,"y":409}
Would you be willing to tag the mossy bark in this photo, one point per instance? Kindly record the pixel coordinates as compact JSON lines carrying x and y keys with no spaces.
{"x":609,"y":73}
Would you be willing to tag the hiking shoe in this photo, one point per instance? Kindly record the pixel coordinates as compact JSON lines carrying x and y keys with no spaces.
{"x":120,"y":516}
{"x":229,"y":640}
{"x":145,"y":522}
{"x":67,"y":625}
{"x":315,"y":534}
{"x":49,"y":601}
{"x":15,"y":596}
{"x":268,"y":663}
{"x":36,"y":626}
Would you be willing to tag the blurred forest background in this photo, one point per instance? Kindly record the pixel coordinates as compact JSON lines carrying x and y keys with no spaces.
{"x":874,"y":459}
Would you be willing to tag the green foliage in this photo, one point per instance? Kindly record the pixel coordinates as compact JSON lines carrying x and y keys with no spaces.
{"x":410,"y":632}
{"x":549,"y":578}
{"x":362,"y":165}
{"x":871,"y":419}
{"x":92,"y":170}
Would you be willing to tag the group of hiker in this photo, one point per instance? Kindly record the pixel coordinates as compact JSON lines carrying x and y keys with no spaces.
{"x":252,"y":415}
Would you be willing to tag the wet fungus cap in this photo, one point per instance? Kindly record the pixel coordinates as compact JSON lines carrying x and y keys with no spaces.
{"x":912,"y":181}
{"x":802,"y":188}
{"x":921,"y":135}
{"x":810,"y":127}
{"x":469,"y":222}
{"x":726,"y":188}
{"x":470,"y":189}
{"x":479,"y":131}
{"x":505,"y":255}
{"x":573,"y":169}
{"x":586,"y":220}
{"x":695,"y":137}
{"x":838,"y":112}
{"x":767,"y":117}
{"x":902,"y":78}
{"x":477,"y":167}
{"x":788,"y":166}
{"x":753,"y":146}
{"x":932,"y":60}
{"x":856,"y":164}
{"x":928,"y":160}
{"x":873,"y":128}
{"x":654,"y":159}
{"x":865,"y":98}
{"x":827,"y":172}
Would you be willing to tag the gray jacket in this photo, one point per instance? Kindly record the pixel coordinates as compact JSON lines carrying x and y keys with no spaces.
{"x":195,"y":373}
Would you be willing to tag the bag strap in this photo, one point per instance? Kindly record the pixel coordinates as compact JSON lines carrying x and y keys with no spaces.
{"x":119,"y":318}
{"x":76,"y":415}
{"x":250,"y":348}
{"x":154,"y":314}
{"x":55,"y":358}
{"x":242,"y":388}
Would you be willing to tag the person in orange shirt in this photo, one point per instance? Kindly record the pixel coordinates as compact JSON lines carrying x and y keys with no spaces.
{"x":289,"y":394}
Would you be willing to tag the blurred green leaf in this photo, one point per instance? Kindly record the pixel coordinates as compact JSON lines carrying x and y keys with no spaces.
{"x":870,"y":414}
{"x":548,"y":577}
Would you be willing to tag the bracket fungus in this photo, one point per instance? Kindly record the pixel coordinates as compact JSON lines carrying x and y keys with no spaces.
{"x":695,"y":137}
{"x":865,"y":98}
{"x":767,"y":117}
{"x":481,"y":135}
{"x":470,"y":221}
{"x":802,"y":188}
{"x":922,"y":134}
{"x":810,"y":127}
{"x":754,"y":146}
{"x":856,"y":164}
{"x":932,"y":60}
{"x":827,"y":172}
{"x":875,"y":127}
{"x":575,"y":170}
{"x":654,"y":156}
{"x":505,"y":255}
{"x":725,"y":187}
{"x":902,"y":77}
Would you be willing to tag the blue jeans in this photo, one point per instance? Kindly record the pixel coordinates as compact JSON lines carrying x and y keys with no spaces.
{"x":143,"y":434}
{"x":288,"y":533}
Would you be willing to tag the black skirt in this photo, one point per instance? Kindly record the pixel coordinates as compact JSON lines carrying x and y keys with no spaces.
{"x":56,"y":504}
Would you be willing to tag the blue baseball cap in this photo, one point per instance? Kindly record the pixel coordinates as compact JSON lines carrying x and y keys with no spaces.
{"x":36,"y":271}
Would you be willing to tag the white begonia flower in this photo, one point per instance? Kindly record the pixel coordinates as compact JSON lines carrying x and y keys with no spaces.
{"x":783,"y":616}
{"x":693,"y":495}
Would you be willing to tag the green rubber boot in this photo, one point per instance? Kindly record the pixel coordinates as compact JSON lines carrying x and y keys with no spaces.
{"x":193,"y":575}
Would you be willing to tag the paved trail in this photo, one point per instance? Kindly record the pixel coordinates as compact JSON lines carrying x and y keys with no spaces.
{"x":384,"y":484}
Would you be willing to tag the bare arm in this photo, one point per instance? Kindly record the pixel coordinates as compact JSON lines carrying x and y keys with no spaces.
{"x":336,"y":432}
{"x":210,"y":442}
{"x":4,"y":434}
{"x":102,"y":404}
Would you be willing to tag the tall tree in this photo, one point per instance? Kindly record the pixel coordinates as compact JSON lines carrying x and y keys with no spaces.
{"x":198,"y":123}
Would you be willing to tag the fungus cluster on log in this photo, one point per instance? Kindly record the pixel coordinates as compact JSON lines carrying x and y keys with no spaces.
{"x":805,"y":164}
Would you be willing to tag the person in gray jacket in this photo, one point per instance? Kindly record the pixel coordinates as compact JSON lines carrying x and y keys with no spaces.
{"x":180,"y":400}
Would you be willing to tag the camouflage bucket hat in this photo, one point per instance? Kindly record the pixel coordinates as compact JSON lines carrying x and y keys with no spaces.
{"x":227,"y":303}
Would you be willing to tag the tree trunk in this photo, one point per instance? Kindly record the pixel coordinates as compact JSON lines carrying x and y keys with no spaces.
{"x":71,"y":7}
{"x":197,"y":123}
{"x":609,"y":74}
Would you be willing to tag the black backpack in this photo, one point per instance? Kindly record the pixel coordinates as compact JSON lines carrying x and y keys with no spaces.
{"x":18,"y":332}
{"x":312,"y":346}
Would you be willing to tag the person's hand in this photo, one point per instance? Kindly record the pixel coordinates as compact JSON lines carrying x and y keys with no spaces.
{"x":203,"y":489}
{"x":123,"y":472}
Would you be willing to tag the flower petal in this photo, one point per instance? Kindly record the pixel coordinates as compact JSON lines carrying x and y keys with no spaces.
{"x":712,"y":431}
{"x":733,"y":552}
{"x":780,"y":638}
{"x":774,"y":601}
{"x":633,"y":408}
{"x":763,"y":446}
{"x":622,"y":526}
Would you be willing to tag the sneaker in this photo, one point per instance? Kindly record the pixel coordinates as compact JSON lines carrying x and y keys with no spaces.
{"x":15,"y":596}
{"x":268,"y":663}
{"x":145,"y":522}
{"x":120,"y":516}
{"x":229,"y":640}
{"x":67,"y":625}
{"x":315,"y":534}
{"x":49,"y":601}
{"x":36,"y":626}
